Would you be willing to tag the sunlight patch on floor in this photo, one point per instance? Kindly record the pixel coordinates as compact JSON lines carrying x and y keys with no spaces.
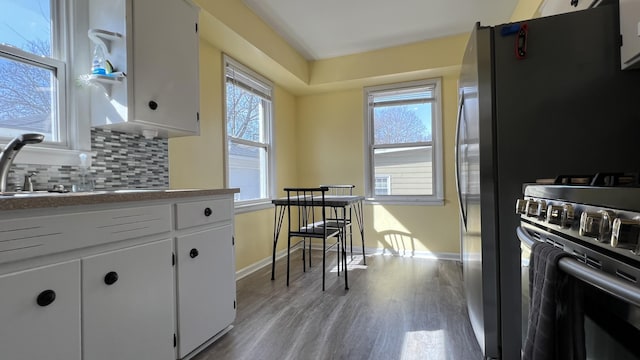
{"x":355,"y":264}
{"x":424,"y":345}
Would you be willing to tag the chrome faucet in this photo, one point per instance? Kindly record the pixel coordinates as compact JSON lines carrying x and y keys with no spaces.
{"x":9,"y":153}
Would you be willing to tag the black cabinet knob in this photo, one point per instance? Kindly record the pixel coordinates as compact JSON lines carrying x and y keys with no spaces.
{"x":46,"y":297}
{"x":207,"y":212}
{"x":193,"y":253}
{"x":153,"y":105}
{"x":111,"y":278}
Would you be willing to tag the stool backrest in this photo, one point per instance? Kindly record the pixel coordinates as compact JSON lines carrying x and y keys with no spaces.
{"x":302,"y":204}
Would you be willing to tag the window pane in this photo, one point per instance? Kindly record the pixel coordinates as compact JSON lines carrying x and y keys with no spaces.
{"x":27,"y":96}
{"x":245,"y":114}
{"x":26,"y":24}
{"x":383,"y":187}
{"x":247,"y":171}
{"x":407,"y":170}
{"x":397,"y":124}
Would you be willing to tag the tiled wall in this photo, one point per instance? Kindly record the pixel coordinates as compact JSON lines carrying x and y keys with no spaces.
{"x":121,"y":160}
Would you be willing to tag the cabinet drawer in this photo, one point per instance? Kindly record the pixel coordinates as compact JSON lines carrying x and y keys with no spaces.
{"x":203,"y":212}
{"x":44,"y":235}
{"x":128,"y":223}
{"x":25,"y":238}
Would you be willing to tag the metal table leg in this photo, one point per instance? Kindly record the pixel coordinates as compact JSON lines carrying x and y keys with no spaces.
{"x":360,"y":219}
{"x":277,"y":225}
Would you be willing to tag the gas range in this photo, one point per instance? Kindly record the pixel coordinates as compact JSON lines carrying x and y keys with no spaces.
{"x":596,"y":221}
{"x":596,"y":217}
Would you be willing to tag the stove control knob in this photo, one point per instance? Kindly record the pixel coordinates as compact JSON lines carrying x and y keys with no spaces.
{"x":521,"y":206}
{"x":536,"y":208}
{"x":561,"y":215}
{"x":625,"y":234}
{"x":596,"y":225}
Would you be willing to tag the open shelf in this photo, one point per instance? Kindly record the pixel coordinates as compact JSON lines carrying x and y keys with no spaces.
{"x":106,"y":81}
{"x":104,"y":38}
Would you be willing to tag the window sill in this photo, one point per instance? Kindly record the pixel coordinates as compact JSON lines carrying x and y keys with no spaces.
{"x":405,"y":201}
{"x":48,"y":156}
{"x":241,"y":208}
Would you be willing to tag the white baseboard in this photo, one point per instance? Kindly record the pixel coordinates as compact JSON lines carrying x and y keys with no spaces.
{"x":370,"y":251}
{"x":262,"y":263}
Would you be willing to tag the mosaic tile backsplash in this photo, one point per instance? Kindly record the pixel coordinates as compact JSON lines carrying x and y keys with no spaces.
{"x":121,"y":160}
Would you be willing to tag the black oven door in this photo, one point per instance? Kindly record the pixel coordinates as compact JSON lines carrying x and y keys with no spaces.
{"x":611,"y":325}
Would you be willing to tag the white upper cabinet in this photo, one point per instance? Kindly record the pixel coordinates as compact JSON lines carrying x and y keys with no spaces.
{"x":154,"y":43}
{"x":554,"y":7}
{"x":630,"y":30}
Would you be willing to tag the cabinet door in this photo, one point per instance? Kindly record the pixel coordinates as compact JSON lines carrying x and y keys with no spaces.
{"x":128,"y":303}
{"x":40,"y":313}
{"x":206,"y":286}
{"x":165,"y":64}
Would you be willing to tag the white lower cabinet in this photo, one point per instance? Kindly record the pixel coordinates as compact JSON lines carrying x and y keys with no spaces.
{"x":206,"y":285}
{"x":128,"y":303}
{"x":40,"y":313}
{"x":145,"y":280}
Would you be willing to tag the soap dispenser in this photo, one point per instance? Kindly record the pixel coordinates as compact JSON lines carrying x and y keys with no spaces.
{"x":85,"y":181}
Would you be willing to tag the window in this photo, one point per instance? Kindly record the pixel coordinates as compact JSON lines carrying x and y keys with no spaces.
{"x":403,"y":142}
{"x":383,"y":186}
{"x":32,"y":71}
{"x":248,"y":119}
{"x":35,"y":55}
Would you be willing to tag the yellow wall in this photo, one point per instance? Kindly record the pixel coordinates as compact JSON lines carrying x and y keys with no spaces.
{"x":526,"y":9}
{"x":198,"y":161}
{"x":331,"y":125}
{"x":319,"y":124}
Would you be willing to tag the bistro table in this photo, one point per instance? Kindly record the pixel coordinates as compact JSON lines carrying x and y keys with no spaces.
{"x":343,"y":202}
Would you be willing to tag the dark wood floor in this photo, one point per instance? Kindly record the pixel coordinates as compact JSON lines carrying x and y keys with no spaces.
{"x":396,"y":308}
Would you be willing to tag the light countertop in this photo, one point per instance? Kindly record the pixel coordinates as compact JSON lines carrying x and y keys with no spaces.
{"x":22,"y":201}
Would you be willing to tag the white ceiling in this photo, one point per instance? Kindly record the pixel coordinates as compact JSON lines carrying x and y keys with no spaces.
{"x":321,"y":29}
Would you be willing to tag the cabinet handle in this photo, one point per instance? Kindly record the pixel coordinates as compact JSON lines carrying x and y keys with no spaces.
{"x":193,"y":253}
{"x":207,"y":212}
{"x":153,"y":105}
{"x":111,"y":278}
{"x":46,"y":297}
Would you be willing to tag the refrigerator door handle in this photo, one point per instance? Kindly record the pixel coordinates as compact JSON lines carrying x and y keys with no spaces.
{"x":463,"y":215}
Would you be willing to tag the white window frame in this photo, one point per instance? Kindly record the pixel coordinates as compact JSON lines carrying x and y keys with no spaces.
{"x":70,"y":50}
{"x":437,"y":198}
{"x":264,"y":88}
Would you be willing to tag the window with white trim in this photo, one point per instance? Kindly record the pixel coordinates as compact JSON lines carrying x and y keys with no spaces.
{"x":35,"y":81}
{"x":403,"y":142}
{"x":248,"y":132}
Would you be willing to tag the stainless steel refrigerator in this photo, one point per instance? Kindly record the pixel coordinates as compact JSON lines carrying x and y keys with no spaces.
{"x":537,"y":99}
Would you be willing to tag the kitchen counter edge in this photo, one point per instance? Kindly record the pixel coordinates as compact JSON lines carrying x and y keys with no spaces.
{"x":102,"y":197}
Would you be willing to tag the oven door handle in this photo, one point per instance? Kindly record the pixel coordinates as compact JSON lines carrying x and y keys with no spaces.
{"x":610,"y":284}
{"x":524,"y":237}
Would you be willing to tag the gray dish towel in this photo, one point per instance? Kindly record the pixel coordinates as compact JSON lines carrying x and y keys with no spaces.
{"x":556,"y":315}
